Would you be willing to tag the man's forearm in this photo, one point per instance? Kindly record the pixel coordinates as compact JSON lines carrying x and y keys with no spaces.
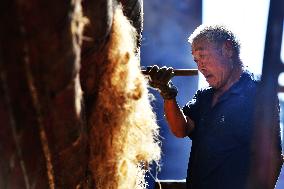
{"x":179,"y":124}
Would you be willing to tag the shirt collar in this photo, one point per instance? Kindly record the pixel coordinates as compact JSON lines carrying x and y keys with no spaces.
{"x":237,"y":88}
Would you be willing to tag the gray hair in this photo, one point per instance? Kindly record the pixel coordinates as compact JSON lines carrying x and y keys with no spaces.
{"x":215,"y":34}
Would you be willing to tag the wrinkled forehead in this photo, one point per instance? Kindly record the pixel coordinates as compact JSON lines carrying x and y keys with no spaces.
{"x":202,"y":45}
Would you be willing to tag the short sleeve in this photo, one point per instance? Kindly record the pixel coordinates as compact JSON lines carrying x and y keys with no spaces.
{"x":191,"y":109}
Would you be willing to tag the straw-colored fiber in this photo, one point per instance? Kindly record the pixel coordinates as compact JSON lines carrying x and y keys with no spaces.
{"x":124,"y":130}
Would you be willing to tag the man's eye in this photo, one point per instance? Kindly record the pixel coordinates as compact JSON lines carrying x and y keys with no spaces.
{"x":196,"y":61}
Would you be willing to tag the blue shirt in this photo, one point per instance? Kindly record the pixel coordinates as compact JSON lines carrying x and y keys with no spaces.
{"x":220,"y":152}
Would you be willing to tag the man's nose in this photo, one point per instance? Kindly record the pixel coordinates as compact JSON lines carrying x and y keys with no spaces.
{"x":202,"y":68}
{"x":200,"y":65}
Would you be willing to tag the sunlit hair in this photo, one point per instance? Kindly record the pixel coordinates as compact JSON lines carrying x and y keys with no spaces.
{"x":216,"y":34}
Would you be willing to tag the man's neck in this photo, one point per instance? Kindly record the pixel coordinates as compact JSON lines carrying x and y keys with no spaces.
{"x":234,"y":77}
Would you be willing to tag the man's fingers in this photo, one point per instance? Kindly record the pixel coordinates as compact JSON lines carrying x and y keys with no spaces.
{"x":161,"y":73}
{"x":169,"y":73}
{"x":148,"y":68}
{"x":153,"y":70}
{"x":165,"y":74}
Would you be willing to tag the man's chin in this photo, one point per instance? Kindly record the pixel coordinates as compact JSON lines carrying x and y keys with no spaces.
{"x":213,"y":86}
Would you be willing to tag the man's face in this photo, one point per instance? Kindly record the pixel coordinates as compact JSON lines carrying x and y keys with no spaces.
{"x":212,"y":63}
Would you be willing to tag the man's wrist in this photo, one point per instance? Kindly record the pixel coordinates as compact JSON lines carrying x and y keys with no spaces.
{"x":169,"y":91}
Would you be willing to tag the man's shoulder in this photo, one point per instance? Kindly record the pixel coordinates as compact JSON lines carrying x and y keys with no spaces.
{"x":203,"y":92}
{"x":251,"y":75}
{"x":250,"y":80}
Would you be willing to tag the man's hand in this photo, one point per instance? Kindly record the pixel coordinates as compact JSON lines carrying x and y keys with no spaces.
{"x":160,"y":79}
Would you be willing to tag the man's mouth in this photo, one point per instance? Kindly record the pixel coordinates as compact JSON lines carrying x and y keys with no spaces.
{"x":208,"y":76}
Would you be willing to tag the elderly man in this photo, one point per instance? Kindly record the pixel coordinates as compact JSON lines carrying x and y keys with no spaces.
{"x":219,"y":119}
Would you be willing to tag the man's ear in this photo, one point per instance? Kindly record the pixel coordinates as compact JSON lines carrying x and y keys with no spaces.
{"x":227,"y":49}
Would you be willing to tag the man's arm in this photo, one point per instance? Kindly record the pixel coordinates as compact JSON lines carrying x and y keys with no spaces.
{"x":179,"y":124}
{"x":160,"y":79}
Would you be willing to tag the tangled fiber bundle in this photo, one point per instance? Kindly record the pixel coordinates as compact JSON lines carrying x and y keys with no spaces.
{"x":124,"y":134}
